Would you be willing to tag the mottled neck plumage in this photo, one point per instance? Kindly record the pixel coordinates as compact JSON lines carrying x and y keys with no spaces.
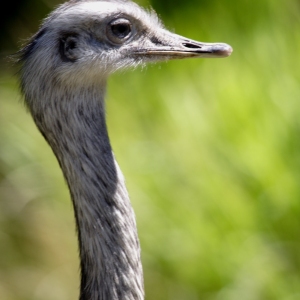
{"x":76,"y":130}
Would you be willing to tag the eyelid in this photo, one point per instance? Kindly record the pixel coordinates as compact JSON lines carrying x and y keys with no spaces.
{"x":120,"y":21}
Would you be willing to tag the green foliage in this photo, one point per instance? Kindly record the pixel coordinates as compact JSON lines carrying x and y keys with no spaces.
{"x":210,"y":150}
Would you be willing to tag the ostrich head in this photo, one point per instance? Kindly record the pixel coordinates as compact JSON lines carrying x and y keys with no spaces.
{"x":82,"y":42}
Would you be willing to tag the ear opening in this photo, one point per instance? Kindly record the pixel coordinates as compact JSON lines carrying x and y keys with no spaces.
{"x":68,"y":48}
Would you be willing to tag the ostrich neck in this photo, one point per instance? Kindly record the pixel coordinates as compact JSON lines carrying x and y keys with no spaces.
{"x":109,"y":248}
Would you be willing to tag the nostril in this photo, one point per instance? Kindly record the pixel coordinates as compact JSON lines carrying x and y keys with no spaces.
{"x":191,"y":46}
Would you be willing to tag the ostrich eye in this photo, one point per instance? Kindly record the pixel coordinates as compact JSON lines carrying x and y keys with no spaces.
{"x":119,"y":30}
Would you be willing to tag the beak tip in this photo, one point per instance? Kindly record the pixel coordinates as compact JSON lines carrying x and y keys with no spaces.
{"x":223,"y":50}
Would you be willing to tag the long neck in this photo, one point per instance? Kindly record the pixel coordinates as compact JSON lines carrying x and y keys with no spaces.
{"x":109,"y":247}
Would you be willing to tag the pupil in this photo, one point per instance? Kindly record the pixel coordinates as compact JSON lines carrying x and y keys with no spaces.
{"x":121,"y":30}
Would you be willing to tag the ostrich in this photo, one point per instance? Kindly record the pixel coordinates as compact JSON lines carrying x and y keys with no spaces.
{"x":63,"y":72}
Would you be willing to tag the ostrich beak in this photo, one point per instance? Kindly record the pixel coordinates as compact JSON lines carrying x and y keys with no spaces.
{"x":172,"y":46}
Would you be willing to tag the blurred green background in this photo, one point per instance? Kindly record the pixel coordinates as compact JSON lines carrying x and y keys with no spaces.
{"x":210,"y":150}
